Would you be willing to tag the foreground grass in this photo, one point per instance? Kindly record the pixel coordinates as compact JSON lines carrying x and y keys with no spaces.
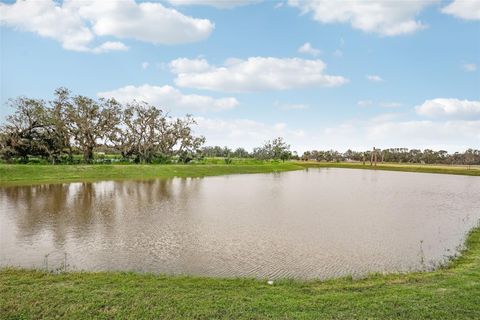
{"x":406,"y":167}
{"x":24,"y":174}
{"x":450,"y":293}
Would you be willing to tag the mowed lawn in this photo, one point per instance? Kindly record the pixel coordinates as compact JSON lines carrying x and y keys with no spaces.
{"x":13,"y":174}
{"x":24,"y":174}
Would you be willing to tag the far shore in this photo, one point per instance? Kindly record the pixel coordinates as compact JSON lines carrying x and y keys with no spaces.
{"x":21,"y":174}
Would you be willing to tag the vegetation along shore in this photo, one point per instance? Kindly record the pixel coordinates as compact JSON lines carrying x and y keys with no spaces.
{"x":12,"y":174}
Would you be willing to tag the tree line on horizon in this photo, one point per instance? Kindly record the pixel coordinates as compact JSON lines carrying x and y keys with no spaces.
{"x":70,"y":127}
{"x":397,"y":155}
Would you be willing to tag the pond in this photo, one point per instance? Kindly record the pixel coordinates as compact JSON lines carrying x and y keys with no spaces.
{"x":316,"y":223}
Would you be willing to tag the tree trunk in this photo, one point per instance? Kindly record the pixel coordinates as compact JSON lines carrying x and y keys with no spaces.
{"x":88,"y":154}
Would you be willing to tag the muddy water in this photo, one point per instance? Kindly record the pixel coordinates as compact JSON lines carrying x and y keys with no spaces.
{"x":317,"y":223}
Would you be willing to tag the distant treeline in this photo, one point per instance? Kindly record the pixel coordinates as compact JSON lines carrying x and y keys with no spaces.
{"x":277,"y":149}
{"x":469,"y":157}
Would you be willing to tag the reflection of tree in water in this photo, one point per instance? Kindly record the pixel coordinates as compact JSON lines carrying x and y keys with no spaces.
{"x":61,"y":209}
{"x":81,"y":209}
{"x":36,"y":207}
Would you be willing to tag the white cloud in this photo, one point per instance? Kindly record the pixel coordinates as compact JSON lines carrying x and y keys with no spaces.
{"x":220,"y":4}
{"x":450,"y":108}
{"x":389,"y":131}
{"x":76,"y":24}
{"x":244,"y":132}
{"x":170,"y":98}
{"x":463,"y":9}
{"x":469,"y":67}
{"x":110,"y":46}
{"x":453,"y":135}
{"x":308,"y":49}
{"x":383,"y":131}
{"x":47,"y":19}
{"x":184,"y":65}
{"x":145,"y":65}
{"x":373,"y":78}
{"x":389,"y":18}
{"x":253,"y":74}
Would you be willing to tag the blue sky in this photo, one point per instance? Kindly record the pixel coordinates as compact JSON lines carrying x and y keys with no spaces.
{"x":322,"y":74}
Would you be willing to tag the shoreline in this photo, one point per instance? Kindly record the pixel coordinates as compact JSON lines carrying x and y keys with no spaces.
{"x":399,"y":167}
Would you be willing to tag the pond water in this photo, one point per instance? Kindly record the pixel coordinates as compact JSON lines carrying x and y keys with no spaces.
{"x":316,"y":223}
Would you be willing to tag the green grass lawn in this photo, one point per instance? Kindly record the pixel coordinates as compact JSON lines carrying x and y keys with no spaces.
{"x":26,"y":174}
{"x":449,"y":293}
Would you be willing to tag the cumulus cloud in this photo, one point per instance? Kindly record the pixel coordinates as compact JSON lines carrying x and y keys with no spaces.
{"x":220,"y":4}
{"x":383,"y":131}
{"x":244,"y":132}
{"x":388,"y":18}
{"x":450,"y":108}
{"x":253,"y":74}
{"x":308,"y":49}
{"x":110,"y":46}
{"x":463,"y":9}
{"x":170,"y":98}
{"x":373,"y":78}
{"x":455,"y":135}
{"x":76,"y":24}
{"x":184,"y":65}
{"x":390,"y":130}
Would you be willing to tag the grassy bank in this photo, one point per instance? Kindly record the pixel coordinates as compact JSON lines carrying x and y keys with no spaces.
{"x":26,"y":174}
{"x":22,"y":174}
{"x":406,"y":167}
{"x":450,"y":293}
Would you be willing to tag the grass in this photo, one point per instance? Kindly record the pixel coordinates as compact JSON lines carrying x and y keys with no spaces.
{"x":448,"y":293}
{"x":13,"y":174}
{"x":406,"y":167}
